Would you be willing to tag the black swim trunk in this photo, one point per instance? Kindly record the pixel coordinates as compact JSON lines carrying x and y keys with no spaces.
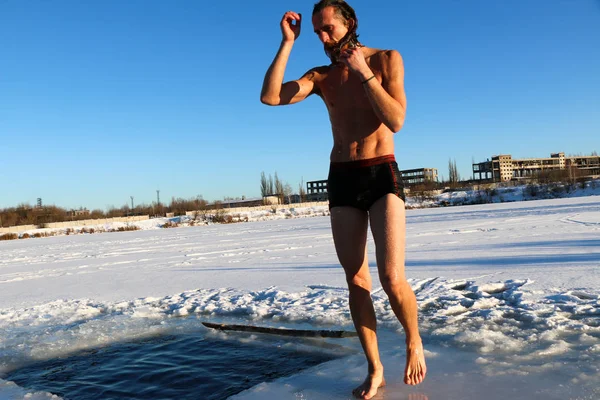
{"x":361,"y":183}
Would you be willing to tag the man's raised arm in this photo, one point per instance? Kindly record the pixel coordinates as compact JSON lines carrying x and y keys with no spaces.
{"x":387,"y":98}
{"x":274,"y":92}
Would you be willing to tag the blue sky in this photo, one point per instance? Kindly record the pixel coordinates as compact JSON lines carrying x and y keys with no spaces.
{"x":102,"y":100}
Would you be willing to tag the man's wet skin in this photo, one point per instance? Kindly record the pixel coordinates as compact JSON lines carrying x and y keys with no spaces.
{"x":363,"y":90}
{"x":369,"y":387}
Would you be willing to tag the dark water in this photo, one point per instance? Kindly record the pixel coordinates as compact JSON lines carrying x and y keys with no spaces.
{"x":173,"y":367}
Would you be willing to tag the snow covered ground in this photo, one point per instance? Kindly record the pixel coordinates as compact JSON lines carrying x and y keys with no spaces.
{"x":509,"y":297}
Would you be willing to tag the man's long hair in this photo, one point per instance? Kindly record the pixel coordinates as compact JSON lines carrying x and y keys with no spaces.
{"x":345,"y":12}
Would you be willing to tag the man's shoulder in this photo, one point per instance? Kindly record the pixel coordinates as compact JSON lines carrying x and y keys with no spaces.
{"x":386,"y":60}
{"x":386,"y":54}
{"x":317,"y":73}
{"x":321,"y":69}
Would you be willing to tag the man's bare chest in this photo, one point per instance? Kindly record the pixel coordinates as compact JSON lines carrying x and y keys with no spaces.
{"x":341,"y":90}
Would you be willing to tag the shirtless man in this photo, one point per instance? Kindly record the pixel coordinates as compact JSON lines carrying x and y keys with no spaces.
{"x":363,"y":89}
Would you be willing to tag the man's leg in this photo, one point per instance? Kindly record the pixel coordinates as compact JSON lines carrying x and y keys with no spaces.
{"x":388,"y":225}
{"x":349,"y":226}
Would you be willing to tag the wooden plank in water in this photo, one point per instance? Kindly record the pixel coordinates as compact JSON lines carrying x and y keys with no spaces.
{"x":281,"y":331}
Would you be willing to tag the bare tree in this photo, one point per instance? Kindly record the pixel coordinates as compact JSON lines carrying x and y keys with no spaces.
{"x":454,"y":177}
{"x":287,"y":192}
{"x":271,"y":185}
{"x":264,"y":185}
{"x":302,"y":191}
{"x":279,"y":188}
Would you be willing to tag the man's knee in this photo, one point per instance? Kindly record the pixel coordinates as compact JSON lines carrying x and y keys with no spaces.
{"x":359,"y":281}
{"x":393,"y":284}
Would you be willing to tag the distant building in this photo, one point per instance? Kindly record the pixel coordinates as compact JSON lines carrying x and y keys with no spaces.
{"x":82,"y":212}
{"x":316,"y":190}
{"x":503,"y":168}
{"x":294,"y":198}
{"x":411,"y":177}
{"x":259,"y":201}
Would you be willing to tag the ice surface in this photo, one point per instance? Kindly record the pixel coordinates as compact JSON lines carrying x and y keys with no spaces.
{"x":511,"y":291}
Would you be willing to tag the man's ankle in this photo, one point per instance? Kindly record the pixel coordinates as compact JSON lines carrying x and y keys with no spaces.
{"x":375,"y":367}
{"x":414,"y":341}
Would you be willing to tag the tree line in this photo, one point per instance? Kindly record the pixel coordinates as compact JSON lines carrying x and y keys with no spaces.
{"x":25,"y":214}
{"x":274,"y":186}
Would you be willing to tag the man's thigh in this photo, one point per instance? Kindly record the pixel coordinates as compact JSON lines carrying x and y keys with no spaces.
{"x":349,"y":227}
{"x":388,"y":225}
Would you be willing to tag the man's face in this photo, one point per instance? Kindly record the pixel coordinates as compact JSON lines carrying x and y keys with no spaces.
{"x":329,"y":27}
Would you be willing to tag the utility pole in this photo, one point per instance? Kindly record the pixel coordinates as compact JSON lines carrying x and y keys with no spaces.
{"x":158,"y":197}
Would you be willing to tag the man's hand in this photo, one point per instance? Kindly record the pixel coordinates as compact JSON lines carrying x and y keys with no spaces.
{"x":354,"y":59}
{"x":289,"y":30}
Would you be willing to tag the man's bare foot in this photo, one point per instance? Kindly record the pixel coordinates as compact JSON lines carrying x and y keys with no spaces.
{"x":369,"y":387}
{"x":415,"y":364}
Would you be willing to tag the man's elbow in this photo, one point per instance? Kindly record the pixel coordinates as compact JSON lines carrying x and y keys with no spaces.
{"x":269,"y":100}
{"x":396,"y":125}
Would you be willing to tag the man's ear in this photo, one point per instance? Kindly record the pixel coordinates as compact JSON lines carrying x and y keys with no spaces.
{"x":350,"y":23}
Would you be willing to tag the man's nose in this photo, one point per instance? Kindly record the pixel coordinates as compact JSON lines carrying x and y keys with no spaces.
{"x":323,"y":37}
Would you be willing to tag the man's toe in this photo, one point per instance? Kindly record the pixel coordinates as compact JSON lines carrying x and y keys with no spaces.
{"x":371,"y":393}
